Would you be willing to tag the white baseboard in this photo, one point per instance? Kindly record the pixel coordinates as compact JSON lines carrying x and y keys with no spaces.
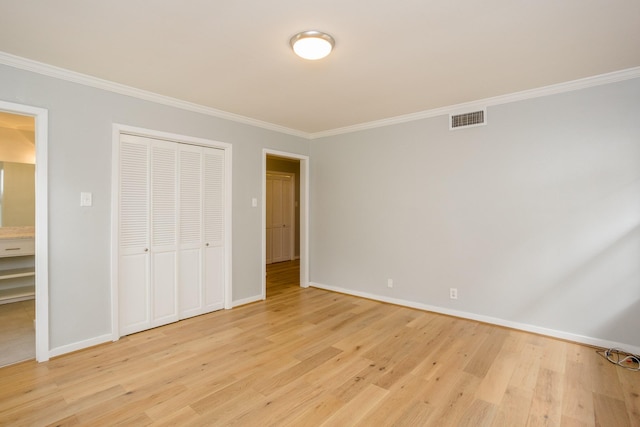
{"x":59,"y":351}
{"x":486,"y":319}
{"x":597,"y":342}
{"x":249,"y":300}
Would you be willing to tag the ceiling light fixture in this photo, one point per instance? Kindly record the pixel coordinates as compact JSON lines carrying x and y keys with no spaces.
{"x":312,"y":44}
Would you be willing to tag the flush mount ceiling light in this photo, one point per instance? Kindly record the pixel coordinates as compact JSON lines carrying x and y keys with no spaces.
{"x":312,"y":44}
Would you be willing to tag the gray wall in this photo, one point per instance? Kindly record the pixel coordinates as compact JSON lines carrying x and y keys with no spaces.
{"x":80,"y":133}
{"x":534,"y":218}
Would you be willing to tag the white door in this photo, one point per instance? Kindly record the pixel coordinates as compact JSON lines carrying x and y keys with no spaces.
{"x":147,"y":274}
{"x":201,"y":257}
{"x":171,"y":231}
{"x":279,"y":218}
{"x":191,"y":244}
{"x":164,"y":232}
{"x":133,"y":273}
{"x":214,"y":220}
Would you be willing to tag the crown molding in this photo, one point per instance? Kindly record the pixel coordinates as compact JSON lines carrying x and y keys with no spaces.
{"x":587,"y":82}
{"x":84,"y":79}
{"x":72,"y":76}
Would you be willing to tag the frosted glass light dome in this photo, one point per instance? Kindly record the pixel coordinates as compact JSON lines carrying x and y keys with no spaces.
{"x":312,"y":44}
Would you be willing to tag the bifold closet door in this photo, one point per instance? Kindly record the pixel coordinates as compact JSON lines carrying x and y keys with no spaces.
{"x":164,"y":232}
{"x":201,"y":249}
{"x":147,"y":269}
{"x":214,"y":220}
{"x":171,"y":243}
{"x":191,"y":242}
{"x":134,"y":222}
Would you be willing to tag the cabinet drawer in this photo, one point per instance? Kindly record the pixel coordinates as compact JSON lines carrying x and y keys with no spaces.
{"x":16,"y":247}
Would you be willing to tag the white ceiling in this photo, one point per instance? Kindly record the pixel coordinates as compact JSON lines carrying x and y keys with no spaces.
{"x":392,"y":58}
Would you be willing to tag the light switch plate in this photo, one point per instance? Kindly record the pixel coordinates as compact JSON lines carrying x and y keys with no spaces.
{"x":86,"y":199}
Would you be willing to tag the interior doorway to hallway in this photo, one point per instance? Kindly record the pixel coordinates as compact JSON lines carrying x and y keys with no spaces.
{"x":282,"y":276}
{"x":284,"y":219}
{"x":283,"y":216}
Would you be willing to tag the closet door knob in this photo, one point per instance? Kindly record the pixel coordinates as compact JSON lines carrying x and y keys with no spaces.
{"x":146,"y":249}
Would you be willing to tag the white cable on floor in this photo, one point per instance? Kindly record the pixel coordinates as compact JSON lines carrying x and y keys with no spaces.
{"x":621,"y":358}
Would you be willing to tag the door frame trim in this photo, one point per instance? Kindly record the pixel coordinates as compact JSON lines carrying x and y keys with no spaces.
{"x":119,"y":129}
{"x":304,"y":216}
{"x":41,"y":116}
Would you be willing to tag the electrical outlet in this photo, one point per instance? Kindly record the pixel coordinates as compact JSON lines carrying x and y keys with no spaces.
{"x":453,"y":293}
{"x":389,"y":283}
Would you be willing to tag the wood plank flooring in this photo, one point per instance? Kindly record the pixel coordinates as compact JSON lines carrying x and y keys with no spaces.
{"x":308,"y":357}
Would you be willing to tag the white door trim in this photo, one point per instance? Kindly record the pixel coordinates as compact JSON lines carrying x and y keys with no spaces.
{"x":183,"y":139}
{"x":41,"y":116}
{"x":304,"y":216}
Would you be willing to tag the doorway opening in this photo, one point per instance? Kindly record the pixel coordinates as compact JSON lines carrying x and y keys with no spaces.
{"x":283,"y":219}
{"x":285,"y":186}
{"x":23,"y":234}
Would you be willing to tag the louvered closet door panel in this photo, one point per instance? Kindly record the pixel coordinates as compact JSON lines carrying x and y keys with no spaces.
{"x":190,"y":246}
{"x":213,"y":181}
{"x":164,"y":232}
{"x":164,"y":195}
{"x":133,"y":272}
{"x":134,"y":194}
{"x":214,"y":196}
{"x":190,"y":195}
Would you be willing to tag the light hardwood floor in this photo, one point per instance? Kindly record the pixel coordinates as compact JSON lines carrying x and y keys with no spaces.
{"x":308,"y":357}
